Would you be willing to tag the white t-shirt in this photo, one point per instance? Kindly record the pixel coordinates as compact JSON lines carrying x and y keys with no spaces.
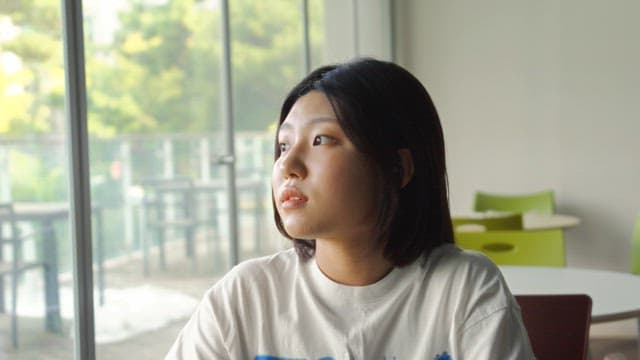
{"x":453,"y":306}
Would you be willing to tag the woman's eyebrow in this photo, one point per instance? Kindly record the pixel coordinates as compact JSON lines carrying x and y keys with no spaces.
{"x":309,"y":122}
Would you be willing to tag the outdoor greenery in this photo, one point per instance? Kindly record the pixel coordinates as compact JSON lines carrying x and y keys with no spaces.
{"x":31,"y":95}
{"x":161,"y":72}
{"x":157,"y":72}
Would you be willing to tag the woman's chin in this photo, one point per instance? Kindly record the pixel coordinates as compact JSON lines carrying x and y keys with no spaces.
{"x":299,"y":232}
{"x":300,"y":236}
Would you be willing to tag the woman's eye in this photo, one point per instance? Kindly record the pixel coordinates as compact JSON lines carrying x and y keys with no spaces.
{"x":323,"y":140}
{"x":283,"y":147}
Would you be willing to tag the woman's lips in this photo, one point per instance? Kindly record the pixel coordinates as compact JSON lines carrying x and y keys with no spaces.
{"x":291,"y":198}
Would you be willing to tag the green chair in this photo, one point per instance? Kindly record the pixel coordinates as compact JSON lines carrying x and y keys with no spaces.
{"x":512,"y":247}
{"x":635,"y":247}
{"x":506,"y":221}
{"x":542,"y":202}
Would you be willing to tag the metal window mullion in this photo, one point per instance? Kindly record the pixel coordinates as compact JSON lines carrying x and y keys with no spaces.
{"x":392,"y":31}
{"x":80,"y":210}
{"x":228,"y":124}
{"x":306,"y":41}
{"x":356,"y":28}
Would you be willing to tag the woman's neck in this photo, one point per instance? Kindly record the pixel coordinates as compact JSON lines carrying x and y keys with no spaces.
{"x":350,"y":264}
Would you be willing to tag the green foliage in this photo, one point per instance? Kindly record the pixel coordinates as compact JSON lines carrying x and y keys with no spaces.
{"x":154,"y":78}
{"x":162,"y":71}
{"x":13,"y":102}
{"x":33,"y":47}
{"x":160,"y":74}
{"x":42,"y":16}
{"x":267,"y":58}
{"x":173,"y":51}
{"x":33,"y":180}
{"x":35,"y":89}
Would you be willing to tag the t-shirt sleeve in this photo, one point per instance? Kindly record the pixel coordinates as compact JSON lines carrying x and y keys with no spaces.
{"x":201,"y":338}
{"x":491,"y":326}
{"x":499,"y":335}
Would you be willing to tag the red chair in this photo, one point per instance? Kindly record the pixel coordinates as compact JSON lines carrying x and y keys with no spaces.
{"x":558,"y":325}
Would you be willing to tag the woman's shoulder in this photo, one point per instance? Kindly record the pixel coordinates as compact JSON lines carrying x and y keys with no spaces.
{"x":259,"y":272}
{"x":451,"y":256}
{"x":449,"y":261}
{"x":277,"y":262}
{"x":471,"y":280}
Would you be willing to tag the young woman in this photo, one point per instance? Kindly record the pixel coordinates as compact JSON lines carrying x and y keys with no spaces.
{"x":359,"y":185}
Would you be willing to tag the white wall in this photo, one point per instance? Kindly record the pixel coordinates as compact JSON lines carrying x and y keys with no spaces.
{"x":538,"y":95}
{"x":357,"y":28}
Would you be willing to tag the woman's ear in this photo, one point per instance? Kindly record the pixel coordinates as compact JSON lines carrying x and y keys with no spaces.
{"x":406,"y":161}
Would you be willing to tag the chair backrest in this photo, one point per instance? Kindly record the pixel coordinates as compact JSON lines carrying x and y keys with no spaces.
{"x":558,"y":325}
{"x":635,"y":247}
{"x":174,"y":184}
{"x":7,"y":216}
{"x":542,"y":202}
{"x":526,"y":247}
{"x":507,"y":221}
{"x":177,"y":191}
{"x":11,"y":237}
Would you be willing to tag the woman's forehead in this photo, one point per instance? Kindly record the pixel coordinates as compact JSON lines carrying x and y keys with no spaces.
{"x":308,"y":110}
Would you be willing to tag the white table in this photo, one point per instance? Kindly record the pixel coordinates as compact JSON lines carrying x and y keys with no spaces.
{"x":45,"y":214}
{"x":615,"y":295}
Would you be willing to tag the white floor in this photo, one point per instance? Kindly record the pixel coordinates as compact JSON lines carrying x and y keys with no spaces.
{"x":128,"y":313}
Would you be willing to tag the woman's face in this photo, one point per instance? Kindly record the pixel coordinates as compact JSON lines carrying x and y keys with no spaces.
{"x":324,"y":188}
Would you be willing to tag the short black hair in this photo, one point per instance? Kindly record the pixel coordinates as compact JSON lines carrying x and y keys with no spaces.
{"x":382,"y":108}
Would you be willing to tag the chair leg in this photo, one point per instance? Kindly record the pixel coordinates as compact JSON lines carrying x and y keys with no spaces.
{"x":142,"y":234}
{"x":14,"y":309}
{"x":162,"y":257}
{"x":638,"y":337}
{"x":189,"y":247}
{"x":100,"y":254}
{"x":257,"y":221}
{"x":192,"y":248}
{"x":2,"y":305}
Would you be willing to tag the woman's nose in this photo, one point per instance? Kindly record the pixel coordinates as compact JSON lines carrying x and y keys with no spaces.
{"x":292,"y":164}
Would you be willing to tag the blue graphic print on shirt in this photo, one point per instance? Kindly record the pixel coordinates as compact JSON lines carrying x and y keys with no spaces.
{"x":443,"y":356}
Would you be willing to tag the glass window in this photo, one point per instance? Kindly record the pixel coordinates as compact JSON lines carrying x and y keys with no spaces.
{"x":158,"y":168}
{"x":267,"y":41}
{"x":153,"y":90}
{"x":36,"y":283}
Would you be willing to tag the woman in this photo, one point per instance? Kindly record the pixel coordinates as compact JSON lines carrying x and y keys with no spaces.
{"x":359,"y":185}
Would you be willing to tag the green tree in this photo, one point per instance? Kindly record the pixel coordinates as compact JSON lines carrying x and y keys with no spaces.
{"x":267,"y":58}
{"x":153,"y":77}
{"x":162,"y":72}
{"x":34,"y":91}
{"x":31,"y":96}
